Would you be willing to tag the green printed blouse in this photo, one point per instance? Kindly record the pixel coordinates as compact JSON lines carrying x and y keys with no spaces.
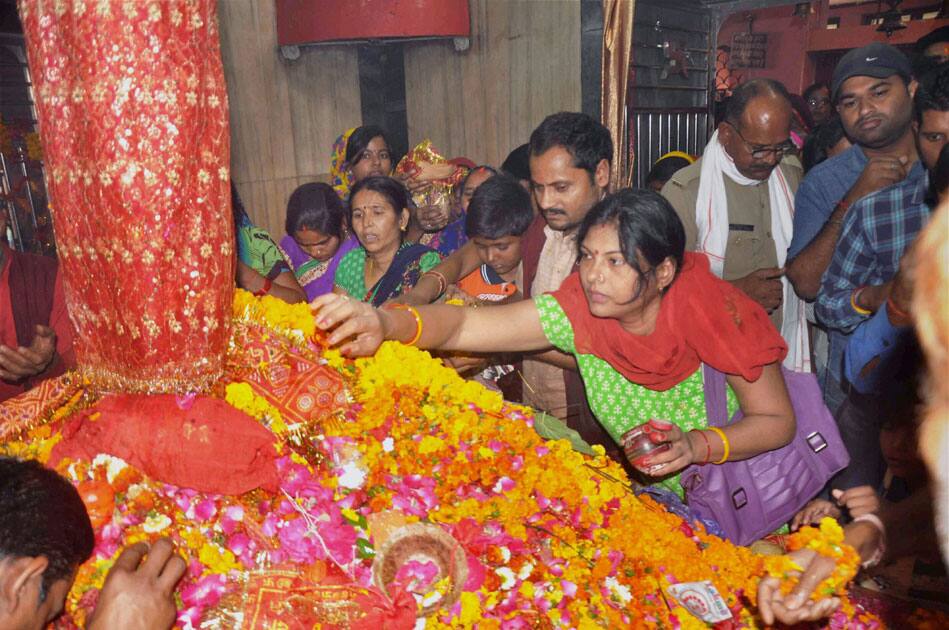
{"x":411,"y":262}
{"x":618,"y":403}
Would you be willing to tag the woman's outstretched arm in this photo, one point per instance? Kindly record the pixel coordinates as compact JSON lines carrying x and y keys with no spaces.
{"x":359,"y":329}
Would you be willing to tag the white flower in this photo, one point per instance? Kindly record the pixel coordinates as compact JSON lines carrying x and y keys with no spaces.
{"x":505,"y":553}
{"x":156,"y":523}
{"x":353,"y":476}
{"x":431,"y":598}
{"x":507,"y":577}
{"x":620,"y":591}
{"x":113,"y":465}
{"x":388,"y":445}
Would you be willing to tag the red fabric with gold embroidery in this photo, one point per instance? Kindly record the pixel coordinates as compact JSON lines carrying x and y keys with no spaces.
{"x":133,"y":117}
{"x":36,"y":405}
{"x":290,"y":377}
{"x":290,"y":599}
{"x":298,"y":386}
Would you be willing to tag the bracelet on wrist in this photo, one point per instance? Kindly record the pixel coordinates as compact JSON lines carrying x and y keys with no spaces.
{"x":708,"y":446}
{"x":415,"y":314}
{"x":265,"y":289}
{"x":442,"y":281}
{"x":855,"y":302}
{"x":725,"y":444}
{"x":874,"y":520}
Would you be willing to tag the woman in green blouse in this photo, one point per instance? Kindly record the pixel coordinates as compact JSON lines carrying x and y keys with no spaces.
{"x":384,"y":265}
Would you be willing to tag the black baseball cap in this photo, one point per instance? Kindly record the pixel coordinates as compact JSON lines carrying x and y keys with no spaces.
{"x":876,"y":60}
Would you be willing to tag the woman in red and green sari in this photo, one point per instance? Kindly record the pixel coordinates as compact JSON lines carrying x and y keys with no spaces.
{"x":384,"y":265}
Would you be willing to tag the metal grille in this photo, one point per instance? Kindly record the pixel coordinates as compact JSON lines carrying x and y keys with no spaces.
{"x":22,"y":190}
{"x":655,"y":132}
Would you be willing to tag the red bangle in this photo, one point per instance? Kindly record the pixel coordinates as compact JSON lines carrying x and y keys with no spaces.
{"x":442,"y":281}
{"x":708,"y":447}
{"x":264,"y":290}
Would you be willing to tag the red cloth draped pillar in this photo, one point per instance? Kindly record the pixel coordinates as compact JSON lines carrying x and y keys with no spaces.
{"x":133,"y":117}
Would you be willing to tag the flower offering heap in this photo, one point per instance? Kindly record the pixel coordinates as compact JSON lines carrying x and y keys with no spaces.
{"x":478,"y":520}
{"x":304,"y":489}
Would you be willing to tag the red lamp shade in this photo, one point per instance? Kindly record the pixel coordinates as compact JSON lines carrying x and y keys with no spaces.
{"x":314,"y":21}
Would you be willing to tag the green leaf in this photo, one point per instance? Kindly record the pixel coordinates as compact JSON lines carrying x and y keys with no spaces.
{"x":364,"y":549}
{"x":553,"y":428}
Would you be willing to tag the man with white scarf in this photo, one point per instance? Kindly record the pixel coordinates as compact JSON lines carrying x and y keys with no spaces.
{"x":737,"y":205}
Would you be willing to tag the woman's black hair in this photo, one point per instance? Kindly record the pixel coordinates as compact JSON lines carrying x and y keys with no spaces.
{"x":517,"y":163}
{"x":665,"y":168}
{"x":649,"y":230}
{"x":500,"y":207}
{"x":391,"y":189}
{"x":237,"y":206}
{"x":822,"y":139}
{"x":359,"y":140}
{"x":315,"y":206}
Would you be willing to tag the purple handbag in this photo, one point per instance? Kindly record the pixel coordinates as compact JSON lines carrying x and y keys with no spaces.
{"x":751,"y":498}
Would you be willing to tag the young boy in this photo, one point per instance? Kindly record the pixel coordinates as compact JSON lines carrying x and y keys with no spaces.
{"x":498,"y":215}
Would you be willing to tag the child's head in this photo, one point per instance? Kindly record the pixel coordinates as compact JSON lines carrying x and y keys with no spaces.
{"x":898,"y":443}
{"x":498,"y":215}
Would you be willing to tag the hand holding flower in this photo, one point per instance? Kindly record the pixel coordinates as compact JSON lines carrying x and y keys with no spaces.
{"x":797,"y":606}
{"x":359,"y":327}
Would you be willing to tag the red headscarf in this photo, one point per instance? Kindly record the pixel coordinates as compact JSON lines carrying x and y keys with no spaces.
{"x":701,"y":319}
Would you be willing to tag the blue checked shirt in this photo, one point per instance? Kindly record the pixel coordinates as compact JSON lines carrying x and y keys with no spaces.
{"x":876,"y":232}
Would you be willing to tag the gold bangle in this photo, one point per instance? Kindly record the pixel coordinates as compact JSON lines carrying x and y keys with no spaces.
{"x":418,"y":321}
{"x":853,"y":302}
{"x":725,"y":444}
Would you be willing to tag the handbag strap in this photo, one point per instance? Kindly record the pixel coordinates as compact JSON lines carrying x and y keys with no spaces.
{"x":716,"y":396}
